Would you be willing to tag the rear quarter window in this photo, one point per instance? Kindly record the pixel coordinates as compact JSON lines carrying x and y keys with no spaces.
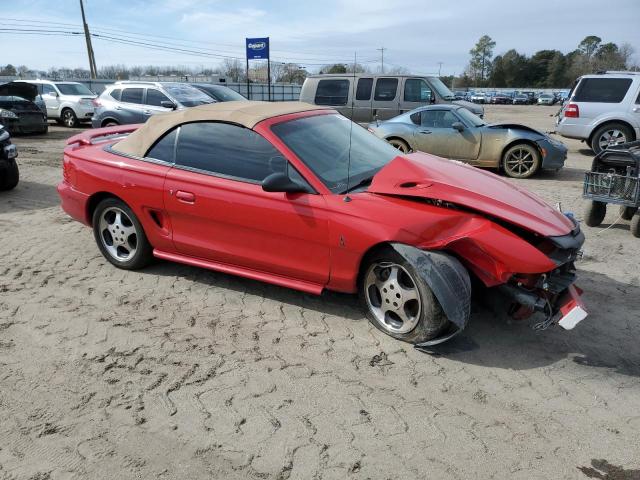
{"x":332,"y":92}
{"x":115,"y":94}
{"x":602,"y":90}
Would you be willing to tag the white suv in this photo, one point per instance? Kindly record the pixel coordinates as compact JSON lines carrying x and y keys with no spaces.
{"x":603,"y":110}
{"x":68,"y":103}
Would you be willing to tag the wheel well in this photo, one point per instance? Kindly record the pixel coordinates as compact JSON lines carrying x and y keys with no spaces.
{"x":67,"y":108}
{"x":608,"y":122}
{"x":107,"y":120}
{"x":517,"y":142}
{"x":374,"y":249}
{"x":93,"y":202}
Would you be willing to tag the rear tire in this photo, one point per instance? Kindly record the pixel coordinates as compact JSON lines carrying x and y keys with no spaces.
{"x":69,"y":118}
{"x":110,"y":123}
{"x":417,"y":316}
{"x":120,"y":236}
{"x":11,"y":176}
{"x":635,"y":225}
{"x":610,"y":134}
{"x":627,"y":213}
{"x":594,"y":213}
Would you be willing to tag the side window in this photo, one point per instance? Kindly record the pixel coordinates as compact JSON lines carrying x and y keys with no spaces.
{"x":132,"y":95}
{"x":438,"y":118}
{"x":363,"y":91}
{"x":156,"y":97}
{"x":47,"y":89}
{"x":227,"y":150}
{"x":602,"y":90}
{"x":416,"y":90}
{"x":332,"y":92}
{"x":386,"y":89}
{"x":115,"y":94}
{"x":638,"y":99}
{"x":165,"y":148}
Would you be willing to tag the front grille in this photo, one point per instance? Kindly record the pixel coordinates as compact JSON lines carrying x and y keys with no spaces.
{"x":30,"y":119}
{"x":610,"y":187}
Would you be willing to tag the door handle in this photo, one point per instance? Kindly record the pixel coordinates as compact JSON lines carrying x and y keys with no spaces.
{"x":424,"y":131}
{"x":637,"y":109}
{"x":186,"y":197}
{"x":147,"y":112}
{"x":118,"y":107}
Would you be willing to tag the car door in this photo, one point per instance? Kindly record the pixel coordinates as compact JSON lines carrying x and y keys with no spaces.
{"x":153,"y":102}
{"x":386,"y":100}
{"x":130,"y":108}
{"x":416,"y":93}
{"x":362,"y":102}
{"x":220,"y":212}
{"x":436,"y":135}
{"x":51,"y":99}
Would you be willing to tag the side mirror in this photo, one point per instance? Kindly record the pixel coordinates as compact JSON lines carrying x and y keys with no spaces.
{"x":280,"y":182}
{"x":168,"y":104}
{"x":432,"y":98}
{"x":457,"y":126}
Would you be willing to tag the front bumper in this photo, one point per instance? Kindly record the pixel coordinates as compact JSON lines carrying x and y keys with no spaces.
{"x":554,"y":155}
{"x":25,"y":123}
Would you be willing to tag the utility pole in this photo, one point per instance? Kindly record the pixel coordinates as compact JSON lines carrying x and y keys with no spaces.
{"x":87,"y":36}
{"x":439,"y":68}
{"x":381,"y":50}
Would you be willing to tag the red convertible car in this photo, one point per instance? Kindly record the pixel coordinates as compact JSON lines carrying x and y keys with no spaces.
{"x":297,"y":195}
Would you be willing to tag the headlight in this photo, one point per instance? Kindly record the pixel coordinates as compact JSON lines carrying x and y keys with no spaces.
{"x":4,"y":135}
{"x":7,"y":114}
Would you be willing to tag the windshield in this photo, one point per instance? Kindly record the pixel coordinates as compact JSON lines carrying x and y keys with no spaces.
{"x":73,"y":89}
{"x":188,"y":96}
{"x":441,"y":88}
{"x":322,"y":143}
{"x":224,"y":94}
{"x":470,"y":118}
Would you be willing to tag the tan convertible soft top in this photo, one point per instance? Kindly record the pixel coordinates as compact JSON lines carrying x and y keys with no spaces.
{"x":247,"y":114}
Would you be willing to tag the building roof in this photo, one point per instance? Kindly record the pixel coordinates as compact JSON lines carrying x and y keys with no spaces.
{"x":247,"y":114}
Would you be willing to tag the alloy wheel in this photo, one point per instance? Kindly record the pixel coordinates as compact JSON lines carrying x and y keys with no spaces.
{"x":520,"y":162}
{"x":68,"y":118}
{"x":118,"y":234}
{"x":392,"y":297}
{"x":611,"y":137}
{"x":400,"y":145}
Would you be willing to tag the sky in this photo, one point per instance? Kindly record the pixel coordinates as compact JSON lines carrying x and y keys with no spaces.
{"x":416,"y":34}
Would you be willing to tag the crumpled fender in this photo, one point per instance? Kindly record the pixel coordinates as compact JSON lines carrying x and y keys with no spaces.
{"x":449,"y":281}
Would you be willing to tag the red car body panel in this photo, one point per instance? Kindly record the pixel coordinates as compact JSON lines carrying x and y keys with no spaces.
{"x":312,"y":241}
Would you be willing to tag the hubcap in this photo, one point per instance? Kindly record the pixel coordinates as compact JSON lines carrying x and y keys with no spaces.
{"x":118,"y":234}
{"x":520,"y":161}
{"x":68,"y":119}
{"x":392,"y":297}
{"x":611,"y":137}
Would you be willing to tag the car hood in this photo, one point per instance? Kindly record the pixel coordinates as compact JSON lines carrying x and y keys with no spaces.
{"x":426,"y":176}
{"x":19,"y":89}
{"x":514,"y":126}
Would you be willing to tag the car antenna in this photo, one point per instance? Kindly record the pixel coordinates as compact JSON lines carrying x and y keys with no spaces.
{"x":353,"y":97}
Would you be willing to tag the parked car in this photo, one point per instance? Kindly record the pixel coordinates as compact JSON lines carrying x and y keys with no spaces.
{"x":460,"y":95}
{"x":546,"y":99}
{"x":220,"y":93}
{"x":501,"y":99}
{"x":18,"y":111}
{"x":68,"y":103}
{"x":299,"y":196}
{"x":478,"y":97}
{"x":9,"y":173}
{"x":134,"y":102}
{"x":378,"y":96}
{"x":521,"y":99}
{"x":531,"y":96}
{"x":603,"y":110}
{"x":455,"y":133}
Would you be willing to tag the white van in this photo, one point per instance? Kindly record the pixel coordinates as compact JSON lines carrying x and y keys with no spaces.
{"x":378,"y":96}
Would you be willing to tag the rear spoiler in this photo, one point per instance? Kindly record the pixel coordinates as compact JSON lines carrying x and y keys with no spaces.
{"x":94,"y":135}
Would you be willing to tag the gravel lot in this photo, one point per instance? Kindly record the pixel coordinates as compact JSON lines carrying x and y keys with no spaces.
{"x":180,"y":373}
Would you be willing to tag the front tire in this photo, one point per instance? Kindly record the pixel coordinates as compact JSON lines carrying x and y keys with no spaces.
{"x":521,"y":161}
{"x":400,"y":145}
{"x":398,"y":301}
{"x":69,"y":118}
{"x":11,"y":176}
{"x":120,"y":236}
{"x":610,"y":135}
{"x":594,"y":213}
{"x":627,"y":213}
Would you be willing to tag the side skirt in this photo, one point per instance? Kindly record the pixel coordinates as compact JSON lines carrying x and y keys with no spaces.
{"x":308,"y":287}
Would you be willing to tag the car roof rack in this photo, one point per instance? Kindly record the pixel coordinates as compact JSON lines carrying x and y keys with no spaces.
{"x":616,"y":72}
{"x":138,"y":82}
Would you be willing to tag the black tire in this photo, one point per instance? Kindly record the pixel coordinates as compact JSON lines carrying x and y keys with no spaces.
{"x":431,"y":319}
{"x":45,"y":130}
{"x":400,"y":145}
{"x":635,"y":225}
{"x":594,"y":213}
{"x":143,"y":250}
{"x":11,"y":176}
{"x":110,"y":123}
{"x":69,"y":118}
{"x":627,"y":213}
{"x":530,"y":157}
{"x":626,"y":132}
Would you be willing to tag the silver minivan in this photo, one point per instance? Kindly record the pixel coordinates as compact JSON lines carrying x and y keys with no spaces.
{"x":365,"y":97}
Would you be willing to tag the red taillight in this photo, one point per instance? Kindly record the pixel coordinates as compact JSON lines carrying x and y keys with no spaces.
{"x":571,"y":111}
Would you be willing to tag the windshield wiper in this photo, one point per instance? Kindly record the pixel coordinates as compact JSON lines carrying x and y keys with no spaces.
{"x":362,"y":183}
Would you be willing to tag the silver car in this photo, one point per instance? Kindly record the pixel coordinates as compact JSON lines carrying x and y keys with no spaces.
{"x":602,"y":110}
{"x":454,"y":132}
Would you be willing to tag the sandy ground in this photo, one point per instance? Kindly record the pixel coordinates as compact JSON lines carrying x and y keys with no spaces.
{"x":180,"y":373}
